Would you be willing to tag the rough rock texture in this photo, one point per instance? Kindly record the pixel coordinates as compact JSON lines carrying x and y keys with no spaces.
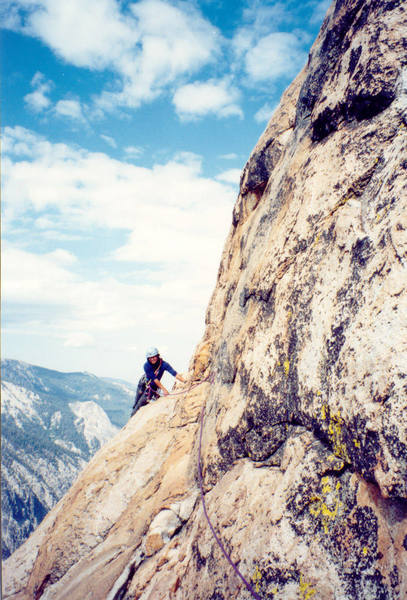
{"x":305,"y":433}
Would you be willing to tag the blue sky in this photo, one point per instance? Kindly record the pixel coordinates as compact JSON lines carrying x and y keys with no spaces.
{"x":125,"y":127}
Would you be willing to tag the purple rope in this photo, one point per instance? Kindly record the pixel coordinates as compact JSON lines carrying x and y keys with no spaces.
{"x":190,"y":388}
{"x":236,"y":570}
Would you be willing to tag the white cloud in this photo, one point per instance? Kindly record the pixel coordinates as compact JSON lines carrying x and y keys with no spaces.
{"x":85,"y":33}
{"x":147,"y":47}
{"x":79,"y":186}
{"x":62,"y":257}
{"x":230,"y":156}
{"x":217,"y":97}
{"x":264,"y":113}
{"x":263,"y":18}
{"x":109,"y":140}
{"x":35,"y":279}
{"x":170,"y":223}
{"x":259,"y":20}
{"x":230,"y":176}
{"x":38,"y":99}
{"x":274,"y":56}
{"x":70,"y":108}
{"x":133,"y":151}
{"x":79,"y":339}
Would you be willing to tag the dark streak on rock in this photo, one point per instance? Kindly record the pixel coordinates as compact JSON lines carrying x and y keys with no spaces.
{"x":122,"y":592}
{"x":336,"y":341}
{"x":217,"y":596}
{"x":200,"y":560}
{"x":362,"y":251}
{"x":354,"y":58}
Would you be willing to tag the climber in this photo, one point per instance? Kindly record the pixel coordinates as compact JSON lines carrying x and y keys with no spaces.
{"x":147,"y":389}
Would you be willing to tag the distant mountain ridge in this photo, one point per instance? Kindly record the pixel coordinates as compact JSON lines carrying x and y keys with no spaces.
{"x":52,"y":424}
{"x":111,"y":394}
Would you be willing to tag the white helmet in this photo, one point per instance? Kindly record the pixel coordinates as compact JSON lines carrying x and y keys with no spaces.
{"x":152,"y":352}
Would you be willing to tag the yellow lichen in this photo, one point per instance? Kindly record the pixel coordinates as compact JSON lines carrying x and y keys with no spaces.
{"x":336,"y":436}
{"x":326,"y":506}
{"x":326,"y":488}
{"x":286,"y":367}
{"x":316,"y":240}
{"x":365,"y":550}
{"x":356,"y":442}
{"x":306,"y":590}
{"x":256,"y":578}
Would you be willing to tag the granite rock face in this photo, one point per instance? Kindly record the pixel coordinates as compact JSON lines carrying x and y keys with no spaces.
{"x":304,"y":444}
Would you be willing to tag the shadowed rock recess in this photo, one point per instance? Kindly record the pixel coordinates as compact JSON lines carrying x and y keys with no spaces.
{"x":304,"y":443}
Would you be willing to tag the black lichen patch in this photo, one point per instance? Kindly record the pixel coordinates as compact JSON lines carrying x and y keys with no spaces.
{"x":363,"y":447}
{"x":356,"y":106}
{"x":229,"y":293}
{"x":200,"y":561}
{"x":217,"y":596}
{"x":261,"y":432}
{"x":336,"y":341}
{"x":275,"y":578}
{"x":265,"y":296}
{"x":262,"y":443}
{"x":262,"y":411}
{"x":327,"y":122}
{"x":405,"y":543}
{"x":366,"y":106}
{"x":259,"y":168}
{"x":245,"y":295}
{"x":354,"y":58}
{"x":362,"y":100}
{"x":362,"y":251}
{"x":396,"y":447}
{"x":360,"y":184}
{"x":225,"y":365}
{"x":334,"y":45}
{"x":353,"y":545}
{"x":386,"y":5}
{"x":232,"y":446}
{"x":370,"y":586}
{"x":349,"y":299}
{"x":394,"y":577}
{"x":364,"y":527}
{"x":300,"y":246}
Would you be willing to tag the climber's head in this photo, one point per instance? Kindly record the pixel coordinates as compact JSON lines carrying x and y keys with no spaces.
{"x":152,"y":355}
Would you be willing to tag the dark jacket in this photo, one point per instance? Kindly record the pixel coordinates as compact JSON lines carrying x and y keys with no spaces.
{"x":151,"y":374}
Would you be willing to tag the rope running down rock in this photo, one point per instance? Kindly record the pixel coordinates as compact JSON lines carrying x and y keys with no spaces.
{"x":219,"y":542}
{"x":234,"y":567}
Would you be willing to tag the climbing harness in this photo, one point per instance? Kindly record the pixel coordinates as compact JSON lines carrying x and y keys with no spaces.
{"x":150,"y":392}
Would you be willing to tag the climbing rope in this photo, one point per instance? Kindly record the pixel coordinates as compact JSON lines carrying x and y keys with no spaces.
{"x":190,"y":388}
{"x":219,"y":542}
